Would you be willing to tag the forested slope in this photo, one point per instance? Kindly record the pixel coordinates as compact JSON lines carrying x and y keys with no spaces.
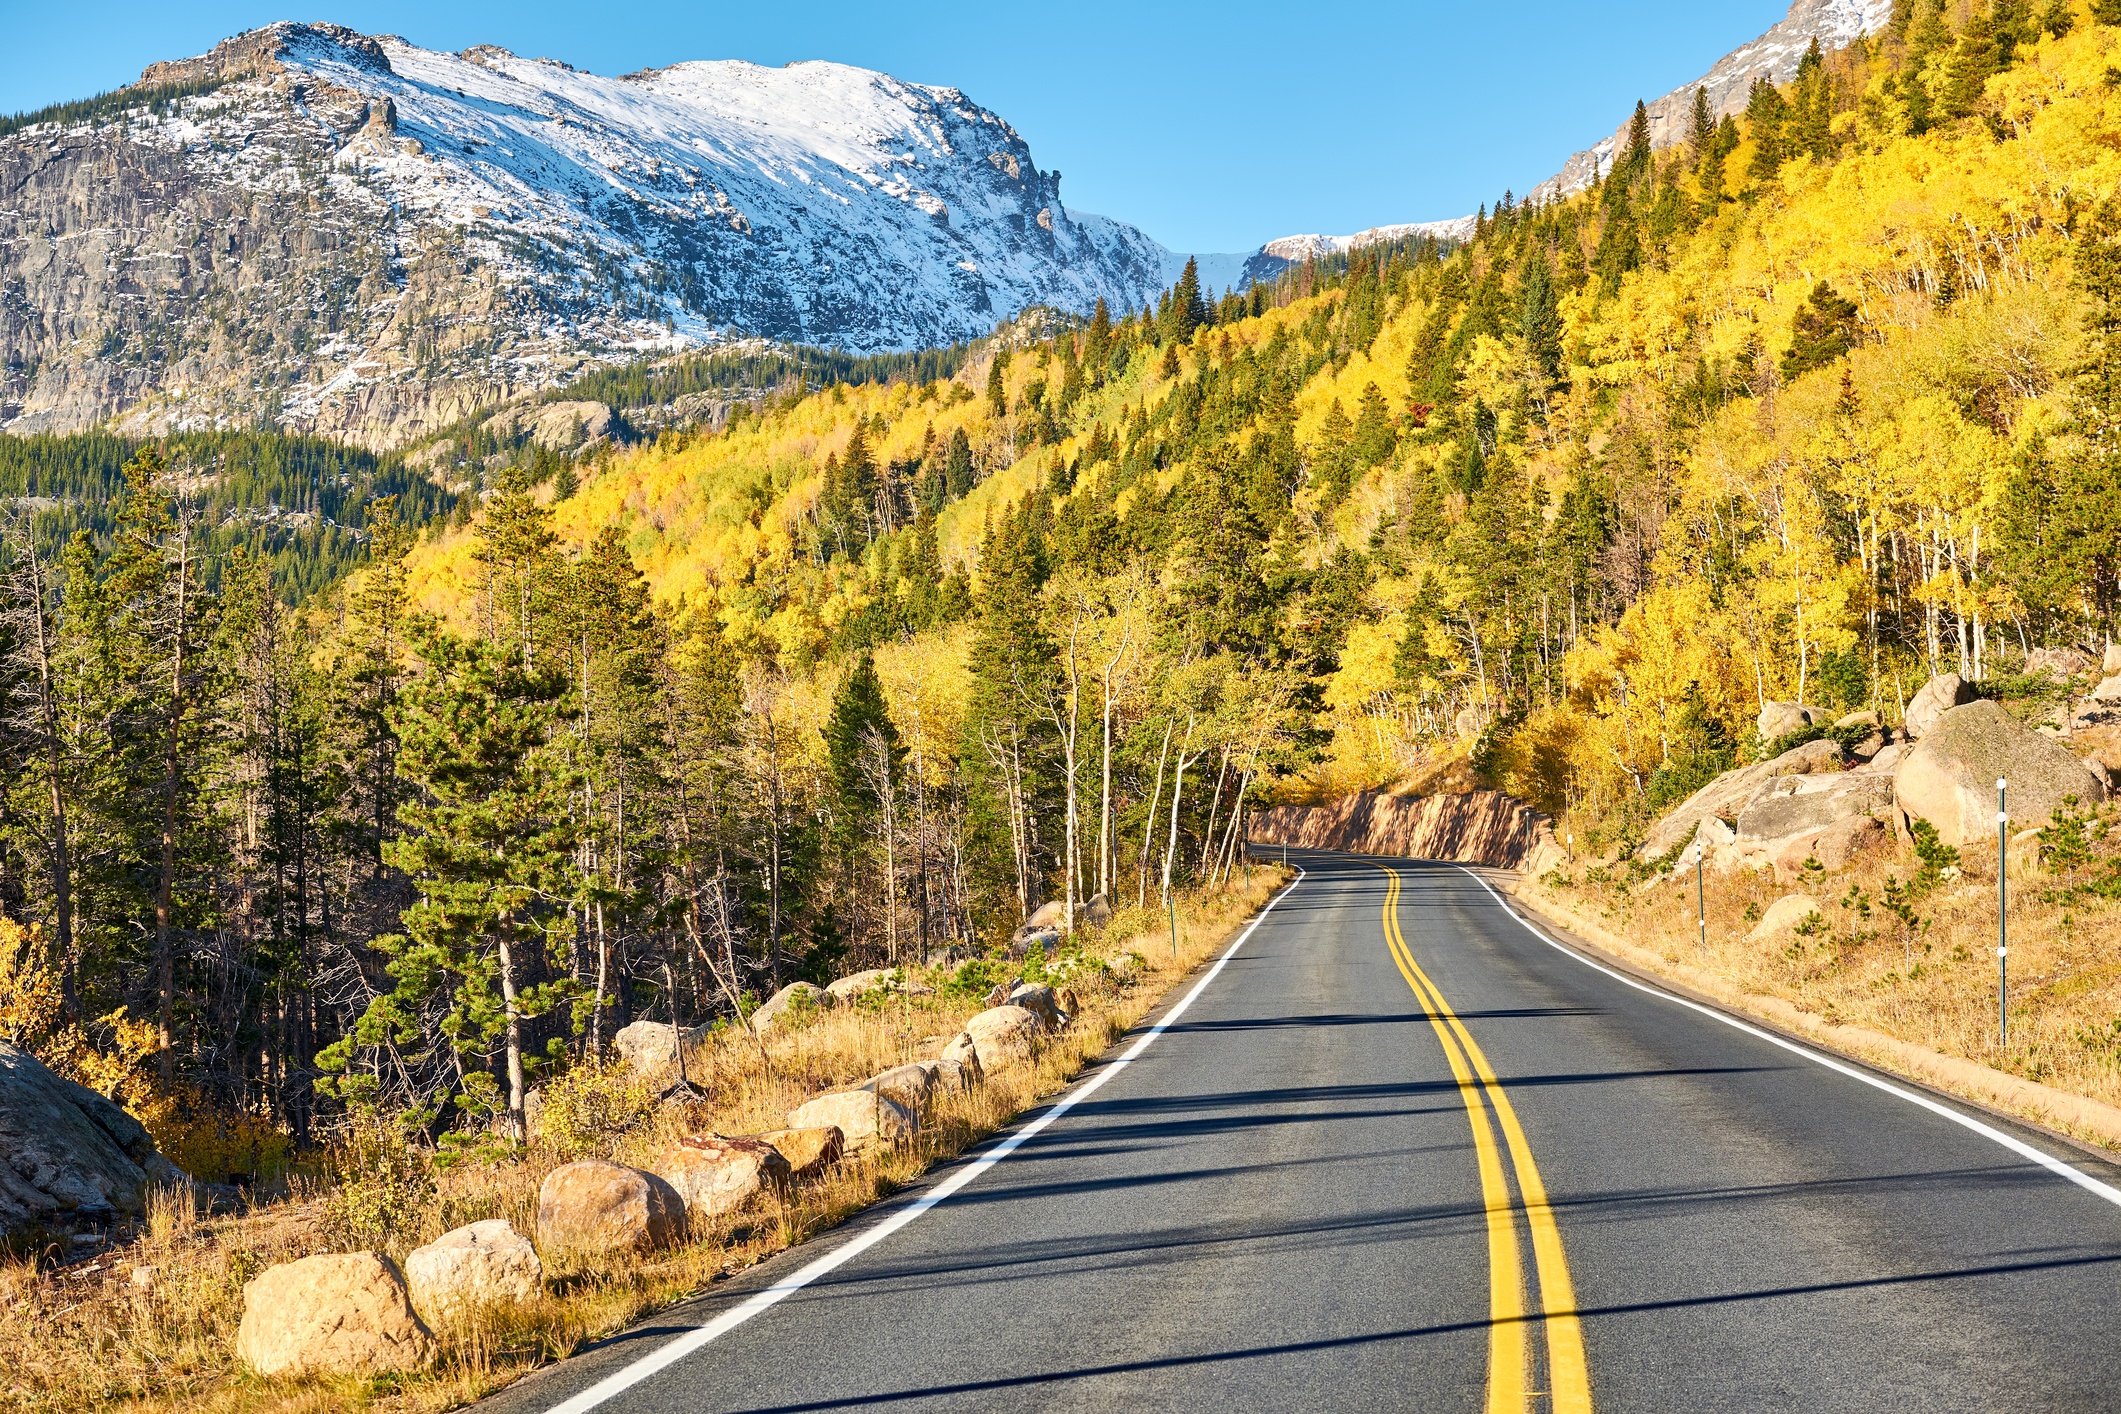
{"x":1808,"y":406}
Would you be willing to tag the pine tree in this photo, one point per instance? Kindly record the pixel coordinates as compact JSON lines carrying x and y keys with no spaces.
{"x":1701,"y":129}
{"x":1636,"y":161}
{"x":1540,"y":317}
{"x":489,"y":847}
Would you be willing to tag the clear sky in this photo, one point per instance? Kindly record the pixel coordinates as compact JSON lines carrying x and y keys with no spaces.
{"x":1212,"y":127}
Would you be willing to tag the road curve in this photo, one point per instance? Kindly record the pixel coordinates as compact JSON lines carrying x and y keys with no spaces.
{"x":1402,"y":1152}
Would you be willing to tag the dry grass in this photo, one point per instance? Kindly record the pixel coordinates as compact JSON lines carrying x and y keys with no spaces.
{"x":83,"y":1335}
{"x":1934,"y":986}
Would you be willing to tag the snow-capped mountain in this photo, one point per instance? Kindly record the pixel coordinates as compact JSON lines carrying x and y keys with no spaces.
{"x":1299,"y":248}
{"x":1773,"y":56}
{"x":356,"y":235}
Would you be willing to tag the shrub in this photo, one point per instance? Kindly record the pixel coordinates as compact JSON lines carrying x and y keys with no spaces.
{"x":587,"y":1109}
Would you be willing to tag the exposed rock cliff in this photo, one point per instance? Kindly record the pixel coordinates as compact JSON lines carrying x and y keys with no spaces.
{"x":1479,"y":827}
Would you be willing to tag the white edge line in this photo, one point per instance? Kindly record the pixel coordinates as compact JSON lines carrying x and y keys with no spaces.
{"x":2016,"y":1146}
{"x":667,"y":1355}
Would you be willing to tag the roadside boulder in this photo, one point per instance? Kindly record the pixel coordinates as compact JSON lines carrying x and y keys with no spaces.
{"x":1051,"y":914}
{"x":1834,"y":846}
{"x":963,"y":1050}
{"x":66,"y":1151}
{"x":1098,"y":911}
{"x":346,"y":1313}
{"x":1781,"y":718}
{"x":650,"y":1048}
{"x":862,"y":1117}
{"x":713,"y":1175}
{"x":912,"y":1085}
{"x":463,"y":1271}
{"x":1783,"y":915}
{"x":1040,"y":1001}
{"x":956,"y":1075}
{"x":1949,"y":779}
{"x":1938,"y":696}
{"x":798,"y":998}
{"x":594,"y":1205}
{"x":848,"y":988}
{"x":809,"y":1152}
{"x":1004,"y":1034}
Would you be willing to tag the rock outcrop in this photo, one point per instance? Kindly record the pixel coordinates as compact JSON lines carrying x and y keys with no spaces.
{"x":714,"y":1175}
{"x":474,"y":1267}
{"x":1724,"y":798}
{"x":66,"y":1152}
{"x":1949,"y":778}
{"x":596,"y":1206}
{"x":1781,"y":718}
{"x":846,"y":989}
{"x":345,"y":1314}
{"x":1479,"y":827}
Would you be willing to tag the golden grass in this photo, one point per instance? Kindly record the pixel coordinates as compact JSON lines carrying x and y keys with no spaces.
{"x":1935,"y":988}
{"x":86,"y":1336}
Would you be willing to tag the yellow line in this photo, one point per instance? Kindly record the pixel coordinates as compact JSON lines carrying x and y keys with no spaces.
{"x":1506,"y":1341}
{"x":1568,"y":1369}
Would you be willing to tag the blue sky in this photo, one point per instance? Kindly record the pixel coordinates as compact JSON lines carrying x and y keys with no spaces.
{"x":1211,"y":127}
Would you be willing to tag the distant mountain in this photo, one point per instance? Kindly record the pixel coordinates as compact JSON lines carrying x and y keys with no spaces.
{"x":345,"y":234}
{"x":1773,"y":55}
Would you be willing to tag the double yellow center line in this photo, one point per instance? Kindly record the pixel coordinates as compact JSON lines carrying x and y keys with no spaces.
{"x":1510,"y":1383}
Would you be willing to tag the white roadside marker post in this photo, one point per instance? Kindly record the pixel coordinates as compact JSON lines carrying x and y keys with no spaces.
{"x":2003,"y":940}
{"x":1701,"y":906}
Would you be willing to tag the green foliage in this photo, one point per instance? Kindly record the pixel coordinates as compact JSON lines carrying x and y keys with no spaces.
{"x":295,"y":503}
{"x":1824,"y":330}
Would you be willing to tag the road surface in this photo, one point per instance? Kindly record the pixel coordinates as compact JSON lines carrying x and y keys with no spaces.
{"x":1403,"y":1153}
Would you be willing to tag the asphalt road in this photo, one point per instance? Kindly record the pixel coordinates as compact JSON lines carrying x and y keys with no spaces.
{"x":1431,"y":1164}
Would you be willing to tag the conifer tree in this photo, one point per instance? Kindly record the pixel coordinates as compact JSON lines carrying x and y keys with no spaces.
{"x":1701,"y":129}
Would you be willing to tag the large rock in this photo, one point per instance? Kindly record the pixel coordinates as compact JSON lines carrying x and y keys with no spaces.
{"x":1949,"y":779}
{"x":963,"y":1050}
{"x":650,"y":1048}
{"x":809,"y":1152}
{"x":956,"y":1076}
{"x":2112,"y":665}
{"x":1097,"y":912}
{"x":1796,"y":805}
{"x":1003,"y":1034}
{"x":1782,"y":718}
{"x":912,"y":1085}
{"x":2059,"y":662}
{"x":1041,"y":1001}
{"x":66,"y":1151}
{"x":562,"y":427}
{"x":2109,"y":690}
{"x":463,"y":1272}
{"x":1051,"y":914}
{"x":1938,"y":696}
{"x":863,"y":1117}
{"x":1783,"y":915}
{"x":848,"y":988}
{"x":344,"y":1314}
{"x":714,"y":1175}
{"x":1834,"y":847}
{"x":773,"y":1012}
{"x":594,"y":1205}
{"x":1724,"y":797}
